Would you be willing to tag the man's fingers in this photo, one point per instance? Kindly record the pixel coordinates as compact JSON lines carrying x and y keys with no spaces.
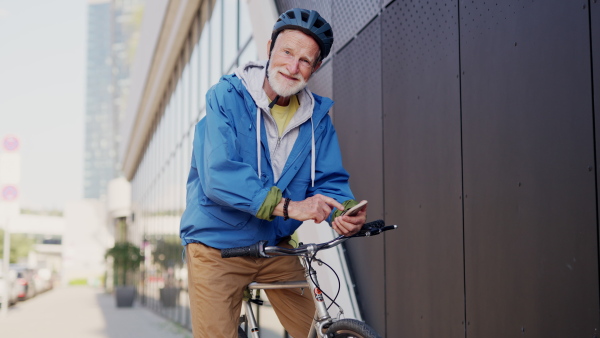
{"x":332,"y":203}
{"x":326,"y":202}
{"x":341,"y":227}
{"x":349,"y":225}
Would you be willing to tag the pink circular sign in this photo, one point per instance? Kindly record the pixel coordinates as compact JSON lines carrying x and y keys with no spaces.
{"x":10,"y":143}
{"x":10,"y":193}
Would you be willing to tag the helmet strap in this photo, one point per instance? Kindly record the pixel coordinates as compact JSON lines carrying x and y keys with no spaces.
{"x":274,"y":102}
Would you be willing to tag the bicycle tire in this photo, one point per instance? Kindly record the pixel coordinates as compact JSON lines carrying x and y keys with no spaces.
{"x":351,"y":328}
{"x":241,"y":333}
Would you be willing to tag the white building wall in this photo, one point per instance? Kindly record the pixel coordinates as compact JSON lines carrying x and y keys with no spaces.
{"x":85,"y":241}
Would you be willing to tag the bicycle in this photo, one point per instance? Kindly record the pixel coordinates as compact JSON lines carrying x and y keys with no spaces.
{"x":323,"y":324}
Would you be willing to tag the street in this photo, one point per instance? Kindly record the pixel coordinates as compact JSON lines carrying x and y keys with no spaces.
{"x":85,"y":312}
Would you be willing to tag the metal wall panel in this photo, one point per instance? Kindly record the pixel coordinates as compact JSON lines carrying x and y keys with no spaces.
{"x":349,"y":17}
{"x":321,"y":82}
{"x":358,"y":120}
{"x":531,"y":254}
{"x":422,"y":166}
{"x":595,"y":35}
{"x":321,"y":6}
{"x":386,"y":2}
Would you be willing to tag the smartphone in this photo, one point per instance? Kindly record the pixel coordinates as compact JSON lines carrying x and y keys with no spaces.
{"x":355,"y":209}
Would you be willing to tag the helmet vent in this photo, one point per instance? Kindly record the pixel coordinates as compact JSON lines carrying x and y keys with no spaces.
{"x":304,"y":16}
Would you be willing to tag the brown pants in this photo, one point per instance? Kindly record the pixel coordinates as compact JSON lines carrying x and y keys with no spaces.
{"x":216,"y":287}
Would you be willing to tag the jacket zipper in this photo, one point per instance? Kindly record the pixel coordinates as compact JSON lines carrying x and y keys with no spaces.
{"x":278,"y":143}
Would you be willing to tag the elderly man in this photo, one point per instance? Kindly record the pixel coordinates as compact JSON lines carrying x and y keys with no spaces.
{"x":265,"y":158}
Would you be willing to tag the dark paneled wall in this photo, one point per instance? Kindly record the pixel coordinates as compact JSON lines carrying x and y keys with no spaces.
{"x":362,"y":136}
{"x":422,"y":165}
{"x":472,"y":126}
{"x":529,"y":183}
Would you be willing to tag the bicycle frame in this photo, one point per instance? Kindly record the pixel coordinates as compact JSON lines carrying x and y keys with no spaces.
{"x":321,"y":318}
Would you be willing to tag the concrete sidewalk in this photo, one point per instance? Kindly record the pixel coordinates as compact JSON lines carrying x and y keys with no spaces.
{"x":84,"y":312}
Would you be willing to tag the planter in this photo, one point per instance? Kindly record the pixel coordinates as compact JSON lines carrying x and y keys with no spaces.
{"x":125,"y":295}
{"x":169,"y":296}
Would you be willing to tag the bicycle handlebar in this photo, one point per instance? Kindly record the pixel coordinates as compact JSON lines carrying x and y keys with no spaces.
{"x":260,"y":250}
{"x":254,"y":250}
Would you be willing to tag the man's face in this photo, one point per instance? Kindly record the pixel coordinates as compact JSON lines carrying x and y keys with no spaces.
{"x":293,"y":60}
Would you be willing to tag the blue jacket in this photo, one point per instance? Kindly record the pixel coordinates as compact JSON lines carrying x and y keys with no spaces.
{"x":224,"y":190}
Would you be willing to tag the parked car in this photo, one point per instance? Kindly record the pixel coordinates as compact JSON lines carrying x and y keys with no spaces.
{"x":13,"y":287}
{"x":43,"y":280}
{"x":25,"y":280}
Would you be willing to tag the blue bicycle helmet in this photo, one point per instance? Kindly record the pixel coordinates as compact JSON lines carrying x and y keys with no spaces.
{"x":310,"y":23}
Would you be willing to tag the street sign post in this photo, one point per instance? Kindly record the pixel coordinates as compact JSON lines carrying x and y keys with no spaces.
{"x":6,"y":262}
{"x":10,"y":176}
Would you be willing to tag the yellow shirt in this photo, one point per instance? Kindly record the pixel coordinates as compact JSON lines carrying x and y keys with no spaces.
{"x":283,"y":114}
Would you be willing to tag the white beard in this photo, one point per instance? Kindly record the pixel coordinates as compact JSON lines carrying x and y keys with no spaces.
{"x":282,"y":86}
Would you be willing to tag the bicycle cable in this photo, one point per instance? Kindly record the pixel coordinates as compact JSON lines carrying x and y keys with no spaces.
{"x":309,"y":261}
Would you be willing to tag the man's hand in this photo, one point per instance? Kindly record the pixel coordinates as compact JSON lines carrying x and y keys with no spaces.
{"x":316,"y":208}
{"x":349,"y":225}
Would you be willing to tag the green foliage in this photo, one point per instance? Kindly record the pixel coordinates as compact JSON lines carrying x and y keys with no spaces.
{"x":20,"y":246}
{"x":167,"y":251}
{"x":78,"y":281}
{"x":126,"y":260}
{"x":56,"y":213}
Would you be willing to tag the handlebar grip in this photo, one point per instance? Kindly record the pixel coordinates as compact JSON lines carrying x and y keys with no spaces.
{"x":254,"y":250}
{"x":378,"y":224}
{"x":374,"y":228}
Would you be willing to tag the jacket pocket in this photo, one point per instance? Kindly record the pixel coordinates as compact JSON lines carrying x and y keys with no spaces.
{"x":230,"y":216}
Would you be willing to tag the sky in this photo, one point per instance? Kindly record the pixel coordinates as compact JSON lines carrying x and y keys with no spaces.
{"x":42,"y":96}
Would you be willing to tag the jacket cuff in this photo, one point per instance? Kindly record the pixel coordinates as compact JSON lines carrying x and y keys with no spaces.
{"x":266,"y":209}
{"x":347,"y":204}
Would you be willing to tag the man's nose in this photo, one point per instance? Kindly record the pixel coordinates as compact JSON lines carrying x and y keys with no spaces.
{"x":294,"y":66}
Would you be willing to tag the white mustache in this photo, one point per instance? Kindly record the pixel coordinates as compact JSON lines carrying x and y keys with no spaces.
{"x":297,"y":77}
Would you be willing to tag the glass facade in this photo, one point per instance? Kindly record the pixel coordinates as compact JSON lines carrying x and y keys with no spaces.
{"x":211,"y":49}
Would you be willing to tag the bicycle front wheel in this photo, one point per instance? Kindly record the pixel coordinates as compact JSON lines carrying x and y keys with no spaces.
{"x":351,"y":328}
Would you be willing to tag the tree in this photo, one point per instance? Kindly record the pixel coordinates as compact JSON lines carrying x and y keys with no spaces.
{"x":126,"y":260}
{"x":20,"y":246}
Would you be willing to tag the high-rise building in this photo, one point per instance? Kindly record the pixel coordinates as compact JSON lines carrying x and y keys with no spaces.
{"x":99,"y":156}
{"x":113,"y":27}
{"x":126,"y":17}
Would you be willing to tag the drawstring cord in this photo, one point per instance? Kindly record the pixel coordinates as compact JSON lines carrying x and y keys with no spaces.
{"x":312,"y":153}
{"x":312,"y":145}
{"x":258,"y":113}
